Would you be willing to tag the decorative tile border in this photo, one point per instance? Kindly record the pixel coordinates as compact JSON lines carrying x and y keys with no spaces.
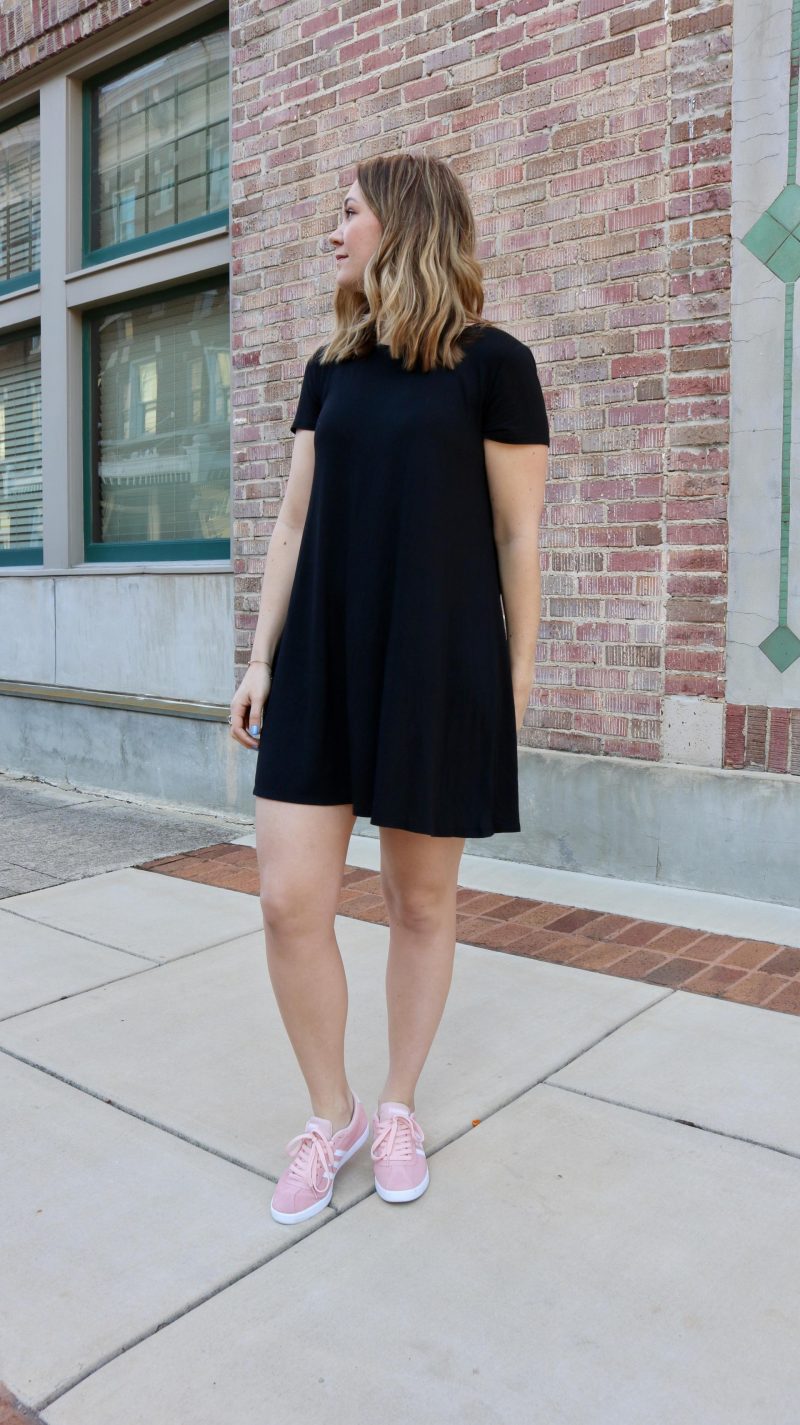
{"x":773,"y":239}
{"x":755,"y":972}
{"x":763,"y":632}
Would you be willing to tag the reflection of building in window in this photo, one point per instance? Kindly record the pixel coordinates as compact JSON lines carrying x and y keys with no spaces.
{"x":210,"y":400}
{"x":144,"y":392}
{"x":125,"y":202}
{"x":163,"y":417}
{"x":160,"y":135}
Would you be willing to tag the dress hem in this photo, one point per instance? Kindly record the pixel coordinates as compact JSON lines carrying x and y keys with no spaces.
{"x":390,"y":825}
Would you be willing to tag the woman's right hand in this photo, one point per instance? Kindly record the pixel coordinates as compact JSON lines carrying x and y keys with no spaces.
{"x":247,"y":704}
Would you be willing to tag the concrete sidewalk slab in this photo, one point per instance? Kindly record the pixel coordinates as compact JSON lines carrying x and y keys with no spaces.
{"x":572,"y":1261}
{"x":198,"y":1046}
{"x":108,"y":1229}
{"x":616,"y":1267}
{"x":18,"y":880}
{"x":68,"y":836}
{"x":94,"y":836}
{"x":728,"y":1067}
{"x":25,"y":796}
{"x":156,"y":917}
{"x":39,"y":964}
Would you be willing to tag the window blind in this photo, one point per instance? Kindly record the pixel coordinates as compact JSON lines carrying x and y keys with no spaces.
{"x":20,"y":442}
{"x":160,"y":142}
{"x":19,"y":200}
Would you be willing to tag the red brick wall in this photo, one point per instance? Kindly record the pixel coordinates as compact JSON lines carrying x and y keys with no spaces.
{"x":594,"y":140}
{"x":31,"y":30}
{"x":698,"y":337}
{"x":595,"y":143}
{"x":763,"y":738}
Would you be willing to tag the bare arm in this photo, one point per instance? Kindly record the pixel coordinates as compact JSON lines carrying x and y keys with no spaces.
{"x":516,"y":476}
{"x":247,"y":704}
{"x":284,"y":545}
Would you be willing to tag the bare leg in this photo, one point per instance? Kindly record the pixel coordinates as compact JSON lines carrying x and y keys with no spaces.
{"x":419,"y":878}
{"x":301,"y":855}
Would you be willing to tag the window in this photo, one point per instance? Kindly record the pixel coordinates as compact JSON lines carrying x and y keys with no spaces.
{"x":158,"y":425}
{"x":19,"y":203}
{"x":156,"y":146}
{"x":151,"y":391}
{"x":20,"y":449}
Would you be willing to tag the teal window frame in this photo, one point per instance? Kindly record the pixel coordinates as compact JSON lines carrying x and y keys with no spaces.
{"x":32,"y":278}
{"x":30,"y":553}
{"x":149,"y":551}
{"x":193,"y":226}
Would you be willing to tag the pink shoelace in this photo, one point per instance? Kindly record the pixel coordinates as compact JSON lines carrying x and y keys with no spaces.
{"x":399,"y":1135}
{"x":315,"y":1156}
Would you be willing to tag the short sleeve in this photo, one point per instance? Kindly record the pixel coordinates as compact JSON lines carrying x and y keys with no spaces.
{"x":514,"y":408}
{"x":308,"y":406}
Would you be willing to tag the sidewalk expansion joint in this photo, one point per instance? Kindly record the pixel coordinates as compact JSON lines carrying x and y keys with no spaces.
{"x":132,"y":1113}
{"x":669,"y":1118}
{"x":76,"y":934}
{"x":176,"y":1315}
{"x":118,"y":979}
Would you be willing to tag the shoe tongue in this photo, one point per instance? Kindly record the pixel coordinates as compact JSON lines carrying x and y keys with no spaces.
{"x":393,"y":1108}
{"x":323,"y":1124}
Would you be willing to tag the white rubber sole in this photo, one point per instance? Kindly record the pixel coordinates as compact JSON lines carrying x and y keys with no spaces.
{"x":402,"y":1194}
{"x":290,"y":1217}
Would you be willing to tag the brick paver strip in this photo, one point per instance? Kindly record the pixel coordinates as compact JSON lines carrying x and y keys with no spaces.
{"x":13,"y":1412}
{"x":755,"y":972}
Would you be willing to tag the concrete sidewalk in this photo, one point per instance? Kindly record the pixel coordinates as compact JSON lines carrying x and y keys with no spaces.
{"x":610,"y":1233}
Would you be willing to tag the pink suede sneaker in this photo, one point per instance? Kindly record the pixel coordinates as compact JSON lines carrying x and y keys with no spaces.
{"x":401,"y":1170}
{"x":306,"y":1186}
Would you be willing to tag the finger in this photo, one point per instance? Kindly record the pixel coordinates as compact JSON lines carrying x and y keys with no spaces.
{"x":239,"y":712}
{"x":246,"y":725}
{"x":255,"y":719}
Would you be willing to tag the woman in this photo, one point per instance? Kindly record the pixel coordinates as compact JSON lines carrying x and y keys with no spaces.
{"x":383,"y":682}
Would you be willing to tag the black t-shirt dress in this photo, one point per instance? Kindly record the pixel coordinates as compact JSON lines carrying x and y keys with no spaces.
{"x":391,"y":685}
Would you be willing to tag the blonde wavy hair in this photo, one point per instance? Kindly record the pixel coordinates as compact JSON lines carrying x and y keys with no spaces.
{"x":423,"y":285}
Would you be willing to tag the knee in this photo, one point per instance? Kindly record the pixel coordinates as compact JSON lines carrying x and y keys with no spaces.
{"x":284,"y":907}
{"x":416,"y":910}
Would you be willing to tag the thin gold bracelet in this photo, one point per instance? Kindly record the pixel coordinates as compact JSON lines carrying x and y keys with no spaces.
{"x":260,"y":660}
